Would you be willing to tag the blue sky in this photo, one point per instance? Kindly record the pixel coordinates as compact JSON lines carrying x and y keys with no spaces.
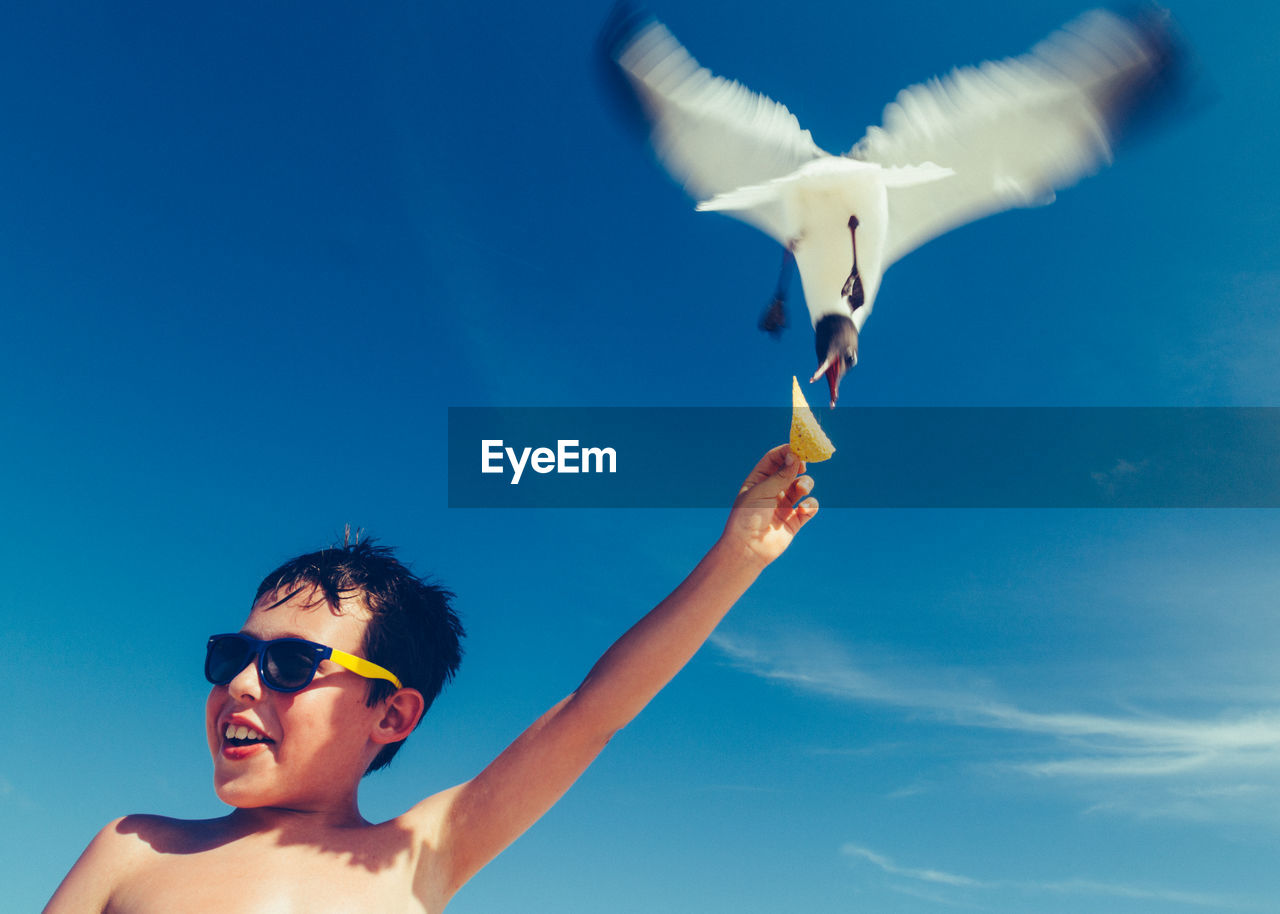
{"x":249,"y":259}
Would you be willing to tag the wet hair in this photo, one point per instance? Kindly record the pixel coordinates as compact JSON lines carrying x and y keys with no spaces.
{"x":413,"y":630}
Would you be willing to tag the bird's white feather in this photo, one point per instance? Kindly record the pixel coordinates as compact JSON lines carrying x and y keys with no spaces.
{"x":712,"y":134}
{"x":1013,"y":131}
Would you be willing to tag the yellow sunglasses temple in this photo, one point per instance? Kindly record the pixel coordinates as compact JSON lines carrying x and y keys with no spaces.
{"x":362,"y":667}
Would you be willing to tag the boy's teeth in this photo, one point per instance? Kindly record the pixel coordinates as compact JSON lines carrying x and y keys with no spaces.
{"x":242,"y":732}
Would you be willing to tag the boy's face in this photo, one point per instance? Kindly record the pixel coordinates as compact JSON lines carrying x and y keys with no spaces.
{"x":318,"y":739}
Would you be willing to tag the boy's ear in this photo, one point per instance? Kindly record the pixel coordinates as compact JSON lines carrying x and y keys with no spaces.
{"x":400,"y":715}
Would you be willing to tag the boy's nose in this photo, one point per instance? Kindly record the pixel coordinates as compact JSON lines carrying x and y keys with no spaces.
{"x":246,"y":683}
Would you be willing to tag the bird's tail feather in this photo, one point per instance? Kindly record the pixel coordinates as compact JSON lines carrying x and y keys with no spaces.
{"x":910,"y":175}
{"x":759,"y":205}
{"x":744,"y":198}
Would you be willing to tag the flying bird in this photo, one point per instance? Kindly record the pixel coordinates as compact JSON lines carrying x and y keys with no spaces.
{"x":983,"y":139}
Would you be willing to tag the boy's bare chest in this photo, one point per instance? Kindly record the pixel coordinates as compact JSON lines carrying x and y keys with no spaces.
{"x":263,"y":877}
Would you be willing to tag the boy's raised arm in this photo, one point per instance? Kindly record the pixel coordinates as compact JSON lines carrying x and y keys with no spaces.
{"x":476,"y":820}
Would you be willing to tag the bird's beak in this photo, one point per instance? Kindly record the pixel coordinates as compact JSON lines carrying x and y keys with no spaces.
{"x":833,"y":368}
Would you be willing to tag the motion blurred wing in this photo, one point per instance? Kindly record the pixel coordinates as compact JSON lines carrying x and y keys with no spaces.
{"x":1016,"y":130}
{"x":712,"y":134}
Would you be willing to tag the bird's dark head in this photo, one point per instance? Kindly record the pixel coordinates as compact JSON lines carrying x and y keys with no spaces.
{"x":836,"y":341}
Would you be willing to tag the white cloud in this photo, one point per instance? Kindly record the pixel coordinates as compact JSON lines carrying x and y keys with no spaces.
{"x":1089,"y":887}
{"x":1199,"y":765}
{"x":1110,"y":480}
{"x":924,"y":875}
{"x":937,"y":878}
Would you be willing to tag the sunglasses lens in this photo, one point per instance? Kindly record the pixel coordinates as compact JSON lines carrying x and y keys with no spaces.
{"x":227,"y":656}
{"x":289,"y":665}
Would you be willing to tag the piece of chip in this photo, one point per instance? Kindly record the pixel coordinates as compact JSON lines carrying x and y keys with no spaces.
{"x":808,"y":441}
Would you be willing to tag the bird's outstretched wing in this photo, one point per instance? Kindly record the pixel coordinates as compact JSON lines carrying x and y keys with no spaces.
{"x":1016,"y":130}
{"x":712,"y":134}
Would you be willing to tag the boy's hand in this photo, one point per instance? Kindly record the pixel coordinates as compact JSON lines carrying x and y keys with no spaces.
{"x":763,"y":520}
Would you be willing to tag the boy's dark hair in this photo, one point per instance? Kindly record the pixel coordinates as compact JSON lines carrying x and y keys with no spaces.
{"x":413,"y":632}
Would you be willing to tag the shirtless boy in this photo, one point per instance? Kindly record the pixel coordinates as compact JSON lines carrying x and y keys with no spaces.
{"x":292,"y":730}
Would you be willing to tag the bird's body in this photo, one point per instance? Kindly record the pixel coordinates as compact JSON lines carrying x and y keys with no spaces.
{"x":984,"y":139}
{"x":809,"y":212}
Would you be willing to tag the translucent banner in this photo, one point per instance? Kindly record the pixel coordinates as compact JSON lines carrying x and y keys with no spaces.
{"x":568,"y":457}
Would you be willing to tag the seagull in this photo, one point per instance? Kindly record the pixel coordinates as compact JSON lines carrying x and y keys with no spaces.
{"x":980,"y":140}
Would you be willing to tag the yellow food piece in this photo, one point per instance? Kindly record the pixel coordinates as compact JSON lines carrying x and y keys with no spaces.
{"x":808,"y":441}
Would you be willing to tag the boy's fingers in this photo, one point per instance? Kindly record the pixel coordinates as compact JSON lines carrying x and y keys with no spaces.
{"x":776,"y":460}
{"x":790,"y":465}
{"x":801,"y":487}
{"x":795,"y":491}
{"x":778,"y":454}
{"x":782,"y":477}
{"x":792,"y":519}
{"x":773,"y":476}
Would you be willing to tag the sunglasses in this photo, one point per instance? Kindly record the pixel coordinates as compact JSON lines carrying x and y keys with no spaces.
{"x":285,"y":664}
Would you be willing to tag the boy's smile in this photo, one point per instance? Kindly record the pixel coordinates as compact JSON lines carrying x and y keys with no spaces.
{"x":241,"y":739}
{"x":299,"y":750}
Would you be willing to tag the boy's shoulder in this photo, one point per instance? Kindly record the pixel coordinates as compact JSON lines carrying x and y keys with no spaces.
{"x":127,"y":842}
{"x":130,"y":839}
{"x":119,"y":849}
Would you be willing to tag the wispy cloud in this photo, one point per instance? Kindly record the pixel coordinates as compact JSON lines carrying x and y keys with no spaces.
{"x":1113,"y":890}
{"x":924,"y":875}
{"x":911,"y":790}
{"x":1110,"y":480}
{"x":1220,"y":751}
{"x":971,"y":886}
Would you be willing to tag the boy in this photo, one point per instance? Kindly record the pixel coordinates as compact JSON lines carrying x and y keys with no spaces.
{"x":294,"y":724}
